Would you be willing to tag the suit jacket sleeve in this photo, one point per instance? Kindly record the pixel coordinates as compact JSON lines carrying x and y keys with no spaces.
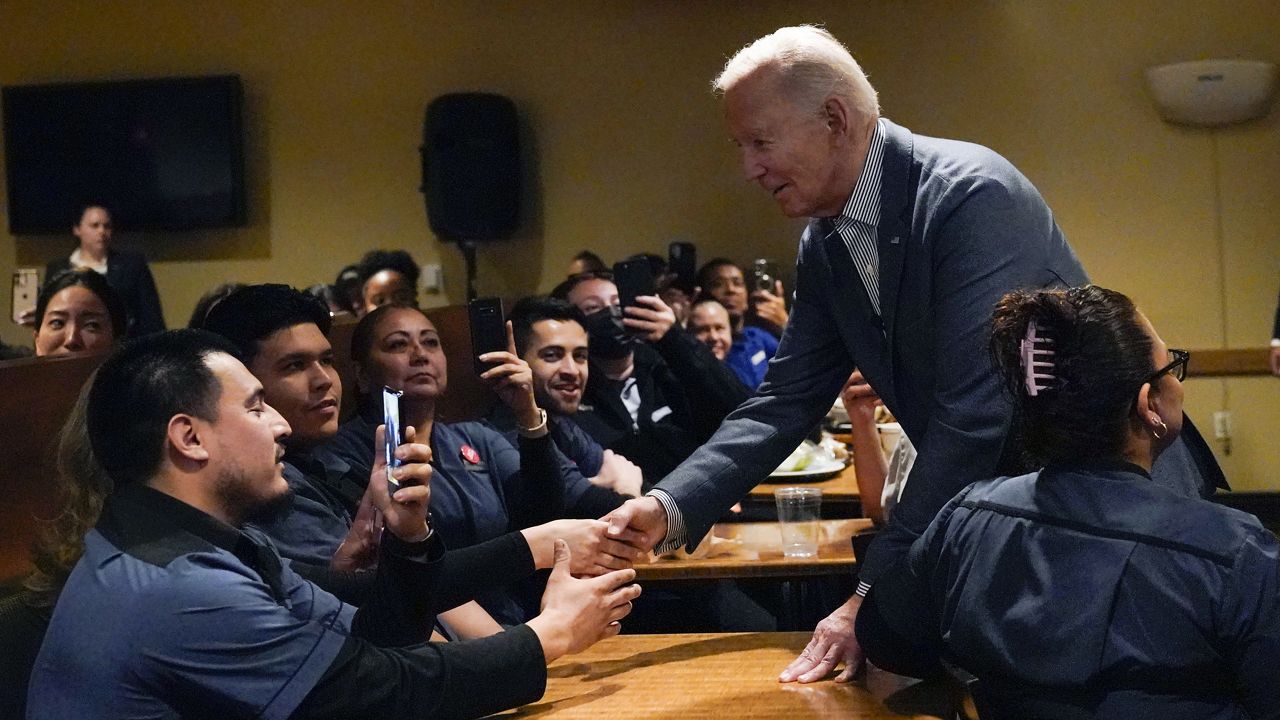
{"x":806,"y":374}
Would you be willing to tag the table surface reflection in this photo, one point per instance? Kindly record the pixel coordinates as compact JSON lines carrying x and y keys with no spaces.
{"x":638,"y":677}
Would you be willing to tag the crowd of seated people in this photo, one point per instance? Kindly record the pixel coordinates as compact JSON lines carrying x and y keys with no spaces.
{"x":229,"y":546}
{"x":597,"y":402}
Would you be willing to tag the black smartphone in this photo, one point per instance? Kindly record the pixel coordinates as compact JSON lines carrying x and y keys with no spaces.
{"x":633,"y":278}
{"x":682,"y":261}
{"x":488,"y":330}
{"x":393,"y":435}
{"x":764,"y":275}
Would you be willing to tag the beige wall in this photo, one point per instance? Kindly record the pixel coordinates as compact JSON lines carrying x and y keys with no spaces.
{"x":629,"y":152}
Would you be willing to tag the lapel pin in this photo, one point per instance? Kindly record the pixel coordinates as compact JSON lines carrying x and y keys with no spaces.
{"x":469,"y":454}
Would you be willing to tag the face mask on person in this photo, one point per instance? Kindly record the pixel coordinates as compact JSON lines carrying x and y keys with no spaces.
{"x":610,"y":339}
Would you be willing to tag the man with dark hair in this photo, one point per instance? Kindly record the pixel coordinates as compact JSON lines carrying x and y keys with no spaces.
{"x":654,"y":394}
{"x":757,"y":317}
{"x":551,"y":337}
{"x":280,"y":334}
{"x":387,"y":276}
{"x":190,"y":614}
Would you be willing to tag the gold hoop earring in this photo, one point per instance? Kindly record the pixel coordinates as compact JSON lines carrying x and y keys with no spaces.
{"x":1164,"y":430}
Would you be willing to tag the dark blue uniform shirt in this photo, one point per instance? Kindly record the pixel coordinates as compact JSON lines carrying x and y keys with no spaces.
{"x":477,"y":497}
{"x":1090,"y":589}
{"x":170,"y":613}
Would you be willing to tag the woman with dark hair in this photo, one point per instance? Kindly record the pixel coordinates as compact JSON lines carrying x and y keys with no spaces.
{"x":125,"y":271}
{"x":482,"y":487}
{"x":386,"y":277}
{"x":77,"y":311}
{"x":1085,"y":589}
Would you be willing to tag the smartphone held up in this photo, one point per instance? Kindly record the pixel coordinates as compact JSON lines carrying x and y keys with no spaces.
{"x":393,"y":435}
{"x":488,"y":330}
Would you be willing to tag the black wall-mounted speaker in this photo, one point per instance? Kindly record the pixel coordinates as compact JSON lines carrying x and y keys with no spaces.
{"x":471,"y":167}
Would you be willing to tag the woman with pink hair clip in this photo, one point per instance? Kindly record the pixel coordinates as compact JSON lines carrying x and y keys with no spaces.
{"x":1084,"y":589}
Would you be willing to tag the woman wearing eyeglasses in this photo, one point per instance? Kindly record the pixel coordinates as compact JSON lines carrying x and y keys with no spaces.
{"x":1084,"y":589}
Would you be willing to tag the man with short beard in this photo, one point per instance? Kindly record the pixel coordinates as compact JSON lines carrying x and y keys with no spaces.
{"x":177,"y":610}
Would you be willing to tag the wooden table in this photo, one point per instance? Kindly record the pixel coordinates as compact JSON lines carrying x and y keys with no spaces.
{"x":689,"y":677}
{"x":753,"y":550}
{"x":839,"y":493}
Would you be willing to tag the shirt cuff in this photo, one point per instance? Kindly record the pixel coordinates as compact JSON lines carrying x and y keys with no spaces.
{"x":1275,"y":342}
{"x":863,"y":588}
{"x":676,"y":532}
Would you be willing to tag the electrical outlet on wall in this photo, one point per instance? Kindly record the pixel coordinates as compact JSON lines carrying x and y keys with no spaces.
{"x":432,"y":279}
{"x":1222,"y":425}
{"x":1222,"y":429}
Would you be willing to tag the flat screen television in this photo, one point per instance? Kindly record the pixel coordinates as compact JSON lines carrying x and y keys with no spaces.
{"x":162,"y":154}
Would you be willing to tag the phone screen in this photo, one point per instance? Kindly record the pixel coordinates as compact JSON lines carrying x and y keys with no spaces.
{"x":392,"y":437}
{"x":488,"y":329}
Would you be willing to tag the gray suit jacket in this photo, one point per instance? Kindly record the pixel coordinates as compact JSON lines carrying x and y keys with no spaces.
{"x":959,"y":227}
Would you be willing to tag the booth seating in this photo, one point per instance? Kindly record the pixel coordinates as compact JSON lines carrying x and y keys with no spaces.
{"x":37,"y":394}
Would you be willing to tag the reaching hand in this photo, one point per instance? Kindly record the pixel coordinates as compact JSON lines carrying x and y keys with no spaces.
{"x":576,"y":613}
{"x":405,"y":514}
{"x":619,"y":475}
{"x":859,"y":399}
{"x":594,"y":553}
{"x":643,"y":520}
{"x":770,"y":306}
{"x":512,"y":381}
{"x":833,"y":643}
{"x":650,"y":318}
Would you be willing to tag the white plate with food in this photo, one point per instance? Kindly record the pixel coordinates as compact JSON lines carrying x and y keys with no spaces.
{"x":810,"y":461}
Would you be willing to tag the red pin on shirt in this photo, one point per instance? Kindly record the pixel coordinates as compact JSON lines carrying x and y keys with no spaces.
{"x":469,"y":454}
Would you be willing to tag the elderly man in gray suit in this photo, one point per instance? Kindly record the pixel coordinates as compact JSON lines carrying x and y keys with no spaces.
{"x":911,"y":242}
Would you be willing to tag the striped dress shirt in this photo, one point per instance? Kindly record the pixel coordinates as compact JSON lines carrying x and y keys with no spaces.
{"x":857,"y":222}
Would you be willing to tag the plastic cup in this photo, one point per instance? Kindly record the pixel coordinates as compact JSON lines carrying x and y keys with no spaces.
{"x":798,"y":511}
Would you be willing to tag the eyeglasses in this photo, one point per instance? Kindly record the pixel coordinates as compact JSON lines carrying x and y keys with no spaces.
{"x":1177,"y":368}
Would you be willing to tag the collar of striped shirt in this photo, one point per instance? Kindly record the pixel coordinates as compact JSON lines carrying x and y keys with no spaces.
{"x":864,"y":204}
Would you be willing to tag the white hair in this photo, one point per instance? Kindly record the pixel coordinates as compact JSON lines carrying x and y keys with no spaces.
{"x":810,"y":65}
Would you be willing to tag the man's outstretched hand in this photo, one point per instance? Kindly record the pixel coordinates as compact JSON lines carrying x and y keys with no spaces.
{"x":644,"y":515}
{"x":833,"y":643}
